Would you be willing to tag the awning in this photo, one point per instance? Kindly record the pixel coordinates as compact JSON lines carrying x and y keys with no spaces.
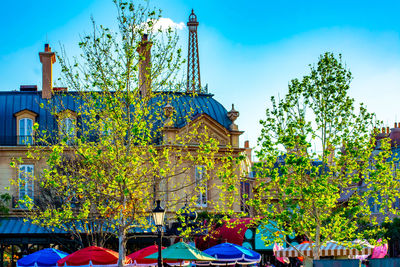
{"x":21,"y":225}
{"x":231,"y":234}
{"x":330,"y":249}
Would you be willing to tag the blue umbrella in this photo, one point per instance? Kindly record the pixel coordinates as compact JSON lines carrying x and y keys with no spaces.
{"x":230,"y":254}
{"x":45,"y":257}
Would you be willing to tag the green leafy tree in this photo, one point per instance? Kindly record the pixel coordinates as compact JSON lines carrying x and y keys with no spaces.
{"x":116,"y":154}
{"x":318,"y":173}
{"x":5,"y":199}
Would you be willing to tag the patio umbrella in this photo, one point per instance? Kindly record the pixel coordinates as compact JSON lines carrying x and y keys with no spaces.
{"x":91,"y":256}
{"x":230,"y":254}
{"x":182,"y":251}
{"x":330,"y":249}
{"x":138,"y":257}
{"x":44,"y":257}
{"x":379,"y":251}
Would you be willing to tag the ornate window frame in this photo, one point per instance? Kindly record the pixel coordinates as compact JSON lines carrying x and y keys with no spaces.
{"x":26,"y":174}
{"x":201,"y":185}
{"x":25,"y":115}
{"x":62,"y":117}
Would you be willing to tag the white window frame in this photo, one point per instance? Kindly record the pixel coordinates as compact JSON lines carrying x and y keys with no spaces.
{"x":374,"y":206}
{"x":25,"y":134}
{"x":68,"y":129}
{"x":26,"y":182}
{"x":201,"y":185}
{"x":105,"y":128}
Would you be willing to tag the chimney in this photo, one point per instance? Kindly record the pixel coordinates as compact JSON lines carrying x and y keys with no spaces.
{"x":381,"y":135}
{"x":247,"y":149}
{"x":395,"y":136}
{"x":47,"y":58}
{"x":144,"y":51}
{"x":60,"y":89}
{"x":28,"y":88}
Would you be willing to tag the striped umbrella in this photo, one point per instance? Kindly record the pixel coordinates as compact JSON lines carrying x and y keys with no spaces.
{"x":330,"y":249}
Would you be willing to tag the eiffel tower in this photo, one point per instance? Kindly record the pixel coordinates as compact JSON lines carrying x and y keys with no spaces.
{"x":193,"y":66}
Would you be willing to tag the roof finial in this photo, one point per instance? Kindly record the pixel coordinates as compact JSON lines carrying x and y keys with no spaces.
{"x":233,"y":115}
{"x":168,"y":112}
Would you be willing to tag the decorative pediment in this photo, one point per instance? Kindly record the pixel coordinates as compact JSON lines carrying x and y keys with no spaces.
{"x":214,"y":129}
{"x":67,"y":113}
{"x":26,"y":113}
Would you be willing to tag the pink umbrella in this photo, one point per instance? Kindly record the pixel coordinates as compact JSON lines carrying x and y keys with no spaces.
{"x":281,"y":259}
{"x":379,"y":252}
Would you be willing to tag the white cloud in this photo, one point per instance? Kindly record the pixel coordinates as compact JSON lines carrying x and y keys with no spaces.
{"x":165,"y":23}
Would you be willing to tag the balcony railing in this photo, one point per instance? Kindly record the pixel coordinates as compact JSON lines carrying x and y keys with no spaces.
{"x":20,"y":206}
{"x":24,"y":140}
{"x":16,"y":140}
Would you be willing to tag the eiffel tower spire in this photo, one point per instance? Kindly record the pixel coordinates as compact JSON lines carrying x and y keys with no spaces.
{"x":193,"y":66}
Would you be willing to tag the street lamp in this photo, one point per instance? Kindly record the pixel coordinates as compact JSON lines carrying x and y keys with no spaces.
{"x":158,"y":216}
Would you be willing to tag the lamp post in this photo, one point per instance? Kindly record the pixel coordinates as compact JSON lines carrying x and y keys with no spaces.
{"x":158,"y":216}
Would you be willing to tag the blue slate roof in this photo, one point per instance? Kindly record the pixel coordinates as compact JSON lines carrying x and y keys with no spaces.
{"x":16,"y":101}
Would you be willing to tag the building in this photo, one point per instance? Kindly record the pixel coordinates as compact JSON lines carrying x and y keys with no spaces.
{"x":20,"y":110}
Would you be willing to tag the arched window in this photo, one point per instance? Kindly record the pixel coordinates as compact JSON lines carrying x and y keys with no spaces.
{"x":67,"y":128}
{"x":25,"y":131}
{"x":25,"y":120}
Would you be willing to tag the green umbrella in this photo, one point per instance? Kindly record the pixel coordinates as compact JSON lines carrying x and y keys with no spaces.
{"x":182,"y":251}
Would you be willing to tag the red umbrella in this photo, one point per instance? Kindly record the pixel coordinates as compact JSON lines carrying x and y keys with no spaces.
{"x":91,"y":256}
{"x":138,"y":256}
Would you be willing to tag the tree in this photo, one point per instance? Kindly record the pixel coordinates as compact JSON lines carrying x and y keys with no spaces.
{"x":4,"y":203}
{"x":112,"y":157}
{"x":392,"y":233}
{"x":318,"y":174}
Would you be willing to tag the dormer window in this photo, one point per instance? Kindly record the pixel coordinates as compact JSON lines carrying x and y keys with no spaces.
{"x":67,"y":126}
{"x":25,"y":121}
{"x":105,"y":126}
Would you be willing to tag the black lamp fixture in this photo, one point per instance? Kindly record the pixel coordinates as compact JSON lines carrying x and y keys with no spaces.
{"x":158,"y":216}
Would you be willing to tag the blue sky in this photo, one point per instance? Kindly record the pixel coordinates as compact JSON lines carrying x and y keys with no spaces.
{"x":249,"y":50}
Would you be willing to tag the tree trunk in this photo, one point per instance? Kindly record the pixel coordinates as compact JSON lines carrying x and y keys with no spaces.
{"x":317,"y":243}
{"x":308,"y":262}
{"x":121,"y":246}
{"x":122,"y":236}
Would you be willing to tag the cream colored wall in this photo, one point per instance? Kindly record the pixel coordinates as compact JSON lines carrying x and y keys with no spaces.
{"x":7,"y":173}
{"x":187,"y":179}
{"x":186,"y":185}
